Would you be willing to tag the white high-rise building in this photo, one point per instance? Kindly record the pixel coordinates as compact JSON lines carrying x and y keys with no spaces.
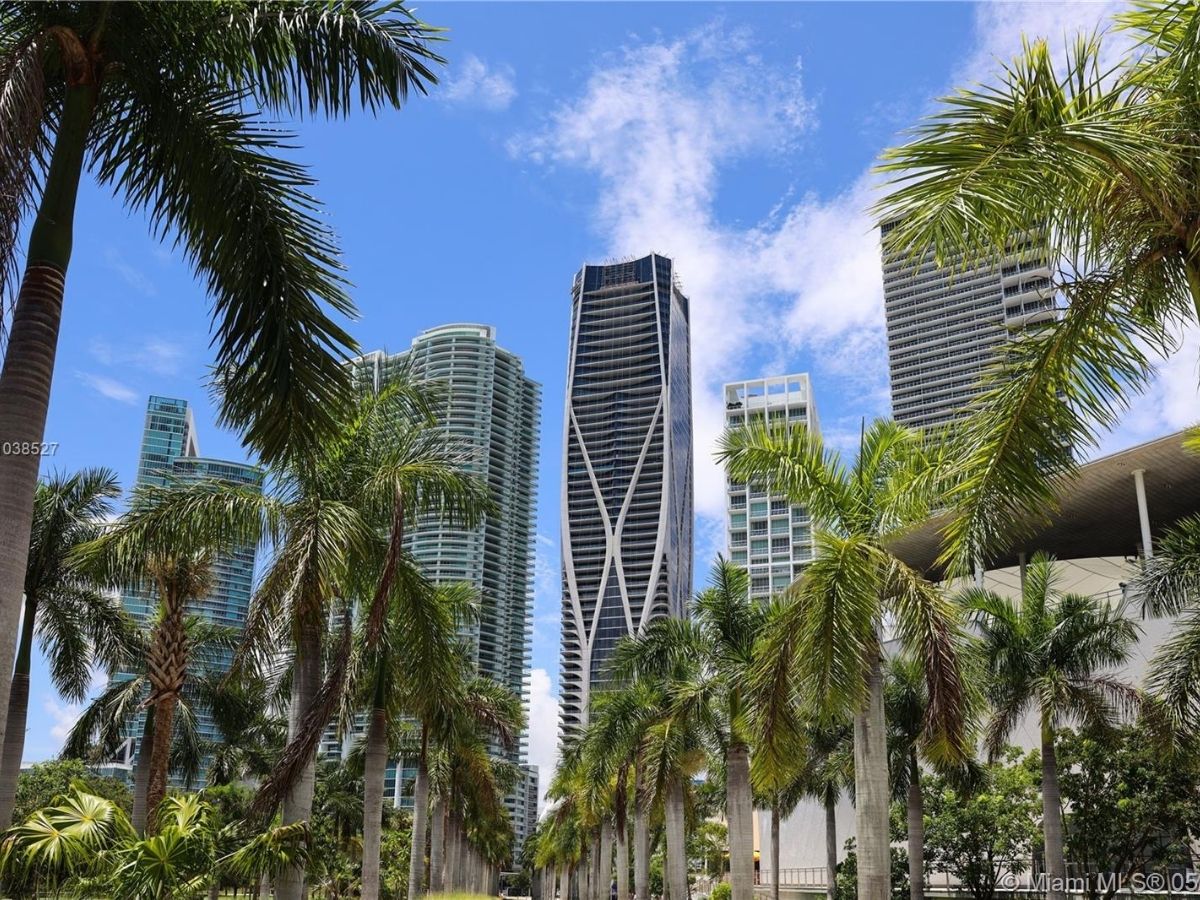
{"x":764,"y":533}
{"x":627,"y":467}
{"x":946,"y":323}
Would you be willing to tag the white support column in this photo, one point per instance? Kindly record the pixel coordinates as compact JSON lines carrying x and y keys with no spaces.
{"x":1139,"y":482}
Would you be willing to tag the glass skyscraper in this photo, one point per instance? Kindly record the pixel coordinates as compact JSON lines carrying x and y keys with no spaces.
{"x":765,"y":534}
{"x":487,"y":401}
{"x":627,"y":466}
{"x":170,"y":453}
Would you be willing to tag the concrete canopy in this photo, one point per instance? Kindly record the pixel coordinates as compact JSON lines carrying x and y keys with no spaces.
{"x":1097,"y":511}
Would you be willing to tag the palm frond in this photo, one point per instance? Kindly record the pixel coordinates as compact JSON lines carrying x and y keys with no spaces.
{"x":185,"y":151}
{"x":298,"y":58}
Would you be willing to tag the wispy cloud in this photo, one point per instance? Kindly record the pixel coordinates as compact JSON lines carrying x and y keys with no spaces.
{"x":108,"y":387}
{"x":656,"y":122}
{"x":153,"y":354}
{"x":129,"y":273}
{"x":473,"y":82}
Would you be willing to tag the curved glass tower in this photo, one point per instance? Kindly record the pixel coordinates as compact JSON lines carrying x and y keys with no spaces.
{"x":627,"y":467}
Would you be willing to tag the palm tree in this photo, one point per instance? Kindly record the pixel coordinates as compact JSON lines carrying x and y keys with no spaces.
{"x":1046,"y":652}
{"x":108,"y":720}
{"x":159,"y":102}
{"x":78,"y":626}
{"x":331,"y":522}
{"x":664,"y":726}
{"x":1095,"y":160}
{"x":904,"y":704}
{"x":177,"y":570}
{"x":1169,"y":585}
{"x":708,"y":659}
{"x":825,"y":653}
{"x":410,"y":629}
{"x":250,"y":731}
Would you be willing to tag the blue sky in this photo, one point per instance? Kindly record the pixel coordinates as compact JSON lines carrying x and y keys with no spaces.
{"x":734,"y":137}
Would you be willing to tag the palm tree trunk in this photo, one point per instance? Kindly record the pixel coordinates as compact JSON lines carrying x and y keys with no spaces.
{"x":871,"y":792}
{"x":29,"y":356}
{"x":374,"y":773}
{"x":160,"y":759}
{"x":831,"y":848}
{"x":416,"y":862}
{"x":18,"y":710}
{"x":623,"y":863}
{"x":564,"y":882}
{"x":740,"y":815}
{"x":916,"y":831}
{"x":676,"y":868}
{"x":585,"y":872}
{"x":1052,"y":824}
{"x":641,"y":842}
{"x":454,"y":856}
{"x":297,"y":802}
{"x":141,"y":774}
{"x":775,"y":852}
{"x":437,"y":847}
{"x":605,"y":863}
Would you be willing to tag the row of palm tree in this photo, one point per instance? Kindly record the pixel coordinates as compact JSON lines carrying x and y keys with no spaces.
{"x":343,"y":623}
{"x":165,"y":106}
{"x":775,"y":698}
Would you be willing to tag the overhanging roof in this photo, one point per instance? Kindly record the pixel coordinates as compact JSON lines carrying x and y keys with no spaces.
{"x":1096,"y":513}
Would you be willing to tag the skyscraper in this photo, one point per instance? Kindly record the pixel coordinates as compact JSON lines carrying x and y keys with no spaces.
{"x":627,"y":466}
{"x":765,"y":534}
{"x":946,"y":323}
{"x":171,"y":453}
{"x":489,"y":403}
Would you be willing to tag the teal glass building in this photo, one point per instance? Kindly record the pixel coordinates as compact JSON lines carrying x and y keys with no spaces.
{"x":170,"y":453}
{"x":488,"y":402}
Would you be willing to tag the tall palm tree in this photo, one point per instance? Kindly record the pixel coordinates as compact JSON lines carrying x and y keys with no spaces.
{"x":707,"y":660}
{"x":904,"y":703}
{"x":160,"y":104}
{"x":825,"y":653}
{"x":821,"y":769}
{"x":1095,"y":160}
{"x":1048,"y":653}
{"x":666,"y":728}
{"x":1169,"y":585}
{"x":330,"y":521}
{"x":410,"y":629}
{"x":79,"y":627}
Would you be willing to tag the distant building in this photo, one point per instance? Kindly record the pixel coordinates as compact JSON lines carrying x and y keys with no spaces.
{"x":170,"y":453}
{"x":946,"y":323}
{"x":488,"y":402}
{"x":765,"y":534}
{"x":627,"y":466}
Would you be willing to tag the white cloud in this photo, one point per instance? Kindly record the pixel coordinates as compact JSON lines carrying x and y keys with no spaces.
{"x":63,"y":716}
{"x":655,"y":123}
{"x":153,"y":354}
{"x":475,"y":83}
{"x":130,"y":274}
{"x":543,"y":729}
{"x":108,"y":387}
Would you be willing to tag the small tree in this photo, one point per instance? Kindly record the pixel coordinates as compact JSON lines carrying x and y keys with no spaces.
{"x":43,"y":784}
{"x":978,"y":835}
{"x":1131,"y":807}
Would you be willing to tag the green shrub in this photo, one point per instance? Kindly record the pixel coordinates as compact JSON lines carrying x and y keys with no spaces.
{"x":721,"y":891}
